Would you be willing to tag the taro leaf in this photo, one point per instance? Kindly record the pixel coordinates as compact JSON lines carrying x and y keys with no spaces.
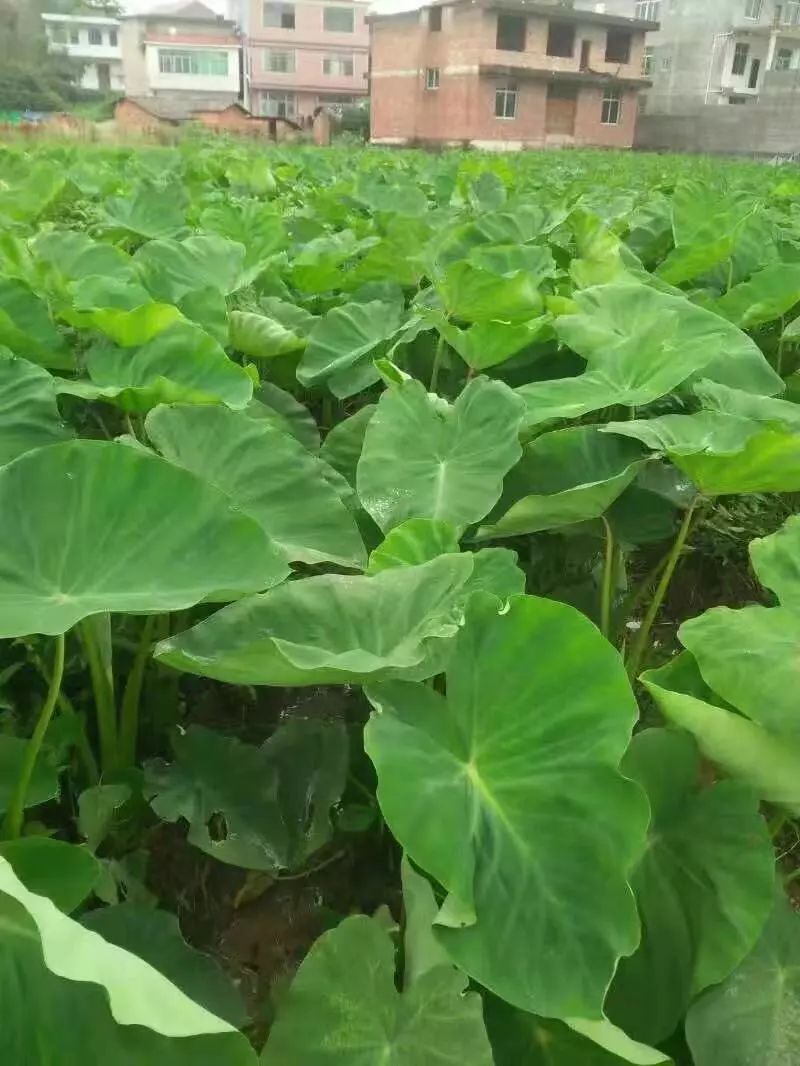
{"x":342,"y":447}
{"x":776,"y":561}
{"x":261,"y":337}
{"x":753,"y":1018}
{"x":285,"y":412}
{"x":25,"y":327}
{"x":749,"y":658}
{"x":343,"y":1006}
{"x":522,"y":1039}
{"x":73,"y":999}
{"x":767,"y":295}
{"x":722,"y":454}
{"x":475,"y":294}
{"x":641,"y":344}
{"x":135,"y":327}
{"x":489,"y":343}
{"x":486,"y":758}
{"x":97,"y":808}
{"x":768,"y":763}
{"x":704,"y":886}
{"x":570,"y":475}
{"x":706,"y":226}
{"x":149,"y":211}
{"x":29,"y":415}
{"x":415,"y":541}
{"x":454,"y":458}
{"x":106,"y":527}
{"x":44,"y":782}
{"x":332,"y":629}
{"x":267,"y":474}
{"x":264,"y":808}
{"x":208,"y":309}
{"x":171,"y":269}
{"x":65,"y":873}
{"x":422,"y":952}
{"x":70,"y":256}
{"x":347,"y":336}
{"x":91,"y":293}
{"x":155,"y":936}
{"x":182,"y":364}
{"x":716,"y":397}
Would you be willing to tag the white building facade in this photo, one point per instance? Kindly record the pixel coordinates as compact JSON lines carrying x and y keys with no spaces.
{"x":92,"y":41}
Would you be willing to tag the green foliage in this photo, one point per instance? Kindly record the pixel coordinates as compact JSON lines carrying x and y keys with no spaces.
{"x":260,"y":412}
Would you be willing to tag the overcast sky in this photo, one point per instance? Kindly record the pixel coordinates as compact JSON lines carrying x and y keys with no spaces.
{"x":132,"y":6}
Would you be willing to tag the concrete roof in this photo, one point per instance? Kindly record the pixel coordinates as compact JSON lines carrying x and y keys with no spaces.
{"x":531,"y":7}
{"x":171,"y":109}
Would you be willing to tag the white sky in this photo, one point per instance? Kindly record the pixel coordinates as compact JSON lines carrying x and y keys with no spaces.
{"x":133,"y":6}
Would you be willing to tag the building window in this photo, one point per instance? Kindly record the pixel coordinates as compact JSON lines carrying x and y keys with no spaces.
{"x":611,"y":112}
{"x":193,"y":62}
{"x":618,"y":46}
{"x":338,"y":19}
{"x":789,"y":13}
{"x":338,"y":66}
{"x":277,"y":104}
{"x":74,"y":36}
{"x":755,"y":70}
{"x":112,"y":38}
{"x":279,"y":61}
{"x":561,"y":39}
{"x":95,"y":36}
{"x":511,"y":32}
{"x":432,"y":78}
{"x":666,"y":63}
{"x":740,"y":54}
{"x":278,"y":16}
{"x":753,"y":9}
{"x":505,"y":100}
{"x":647,"y":62}
{"x":648,"y":9}
{"x":783,"y":59}
{"x":435,"y":19}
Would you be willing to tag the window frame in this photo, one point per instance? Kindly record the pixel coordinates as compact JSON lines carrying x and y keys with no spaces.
{"x":186,"y":61}
{"x":95,"y":37}
{"x":330,"y":9}
{"x":648,"y":61}
{"x":611,"y":105}
{"x":554,"y":28}
{"x":508,"y":91}
{"x":74,"y":35}
{"x":288,"y":100}
{"x":435,"y":19}
{"x":432,"y":79}
{"x":620,"y":36}
{"x":285,"y":14}
{"x":753,"y":10}
{"x":741,"y":54}
{"x":338,"y":59}
{"x":113,"y":39}
{"x":788,"y":54}
{"x":289,"y":53}
{"x":648,"y":10}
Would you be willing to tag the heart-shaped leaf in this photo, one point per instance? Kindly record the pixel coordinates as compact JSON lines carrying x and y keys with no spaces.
{"x":29,"y":415}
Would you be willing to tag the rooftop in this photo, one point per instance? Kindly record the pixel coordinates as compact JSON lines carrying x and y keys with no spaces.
{"x":553,"y":10}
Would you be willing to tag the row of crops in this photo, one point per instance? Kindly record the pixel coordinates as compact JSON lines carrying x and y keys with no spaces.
{"x":420,"y":445}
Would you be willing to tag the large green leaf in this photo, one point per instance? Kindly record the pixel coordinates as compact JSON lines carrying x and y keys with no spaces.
{"x":182,"y":364}
{"x":767,"y":295}
{"x":343,"y":1007}
{"x":72,"y":998}
{"x":716,"y":397}
{"x":486,"y":344}
{"x":131,"y":328}
{"x":641,"y":344}
{"x":267,"y":474}
{"x":343,"y":445}
{"x":155,"y":936}
{"x":263,"y":808}
{"x":421,"y":950}
{"x":261,"y":337}
{"x":522,"y":1039}
{"x":148,"y":211}
{"x":769,"y":763}
{"x":91,"y":526}
{"x":284,"y":411}
{"x":569,"y":476}
{"x":535,"y":830}
{"x":476,"y":294}
{"x":171,"y":269}
{"x":704,"y":887}
{"x":424,"y":459}
{"x":29,"y":415}
{"x":327,"y":630}
{"x":26,"y":328}
{"x":776,"y":561}
{"x":415,"y":541}
{"x":347,"y":336}
{"x":65,"y":873}
{"x":44,"y":782}
{"x":753,"y":1018}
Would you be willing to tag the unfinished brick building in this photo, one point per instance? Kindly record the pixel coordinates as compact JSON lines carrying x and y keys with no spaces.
{"x":506,"y":74}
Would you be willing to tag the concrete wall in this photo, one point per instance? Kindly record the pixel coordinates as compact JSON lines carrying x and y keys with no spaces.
{"x":749,"y":129}
{"x":205,"y":83}
{"x":142,"y":37}
{"x":462,"y":108}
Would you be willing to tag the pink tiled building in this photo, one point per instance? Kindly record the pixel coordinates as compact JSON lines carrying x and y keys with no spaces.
{"x":303,"y":54}
{"x":506,"y":74}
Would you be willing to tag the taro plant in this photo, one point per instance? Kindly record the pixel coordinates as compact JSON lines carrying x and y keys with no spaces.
{"x":348,"y":502}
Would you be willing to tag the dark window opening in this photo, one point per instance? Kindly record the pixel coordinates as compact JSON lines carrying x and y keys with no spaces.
{"x":561,"y":39}
{"x":740,"y":54}
{"x":586,"y":51}
{"x":435,"y":19}
{"x":618,"y":46}
{"x":755,"y":70}
{"x":511,"y":31}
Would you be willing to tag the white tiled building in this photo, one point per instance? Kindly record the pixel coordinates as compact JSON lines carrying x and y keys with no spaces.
{"x":94,"y":40}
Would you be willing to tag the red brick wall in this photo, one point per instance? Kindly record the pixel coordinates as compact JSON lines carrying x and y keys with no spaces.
{"x":130,"y":116}
{"x":462,"y":109}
